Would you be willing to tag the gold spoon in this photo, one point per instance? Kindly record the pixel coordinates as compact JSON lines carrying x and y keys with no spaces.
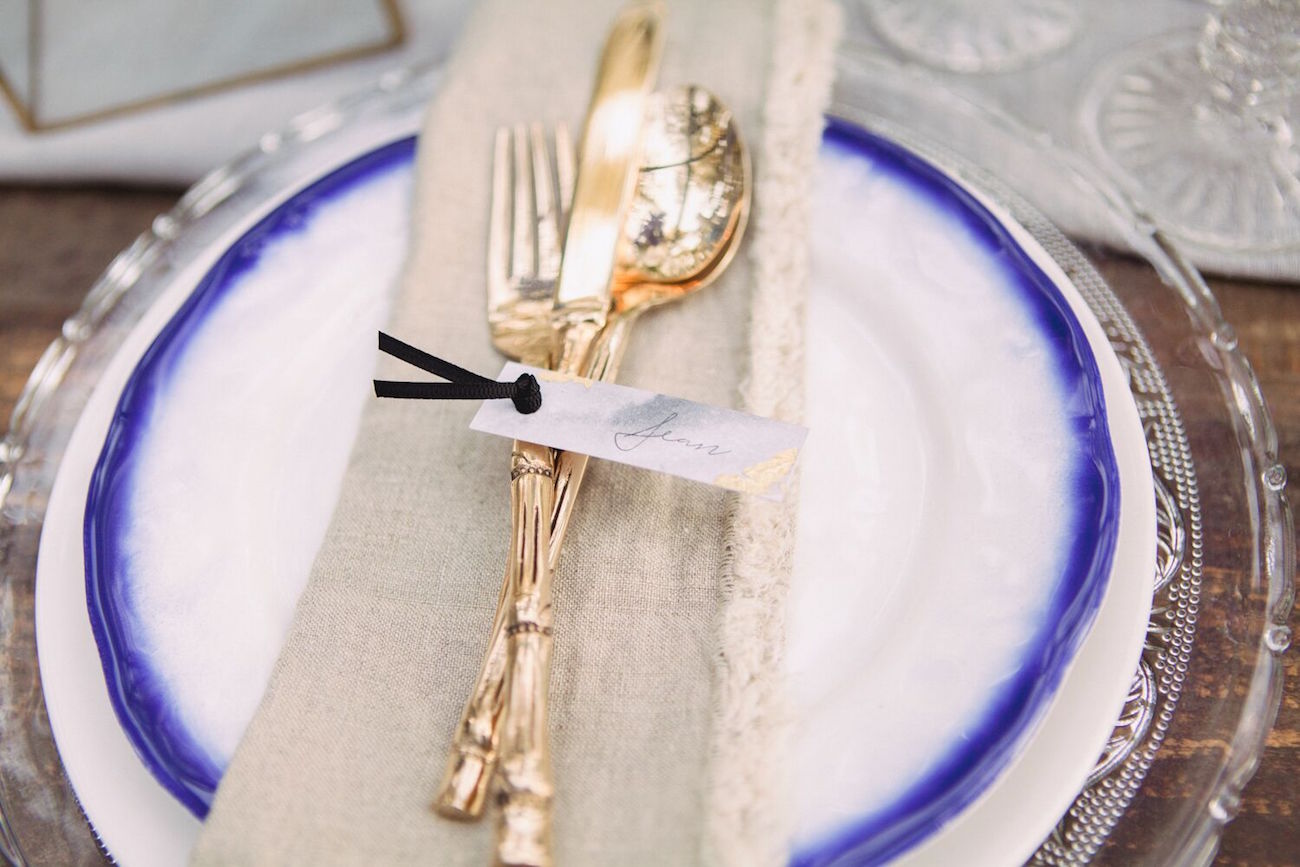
{"x":683,"y":229}
{"x":685,"y":225}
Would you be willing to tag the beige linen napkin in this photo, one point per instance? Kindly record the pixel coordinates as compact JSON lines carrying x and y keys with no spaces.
{"x":665,"y":698}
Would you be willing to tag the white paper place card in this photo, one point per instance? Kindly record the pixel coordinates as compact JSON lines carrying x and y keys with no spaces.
{"x":695,"y":441}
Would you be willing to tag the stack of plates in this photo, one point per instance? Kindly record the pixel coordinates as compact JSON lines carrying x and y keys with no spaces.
{"x":977,"y":532}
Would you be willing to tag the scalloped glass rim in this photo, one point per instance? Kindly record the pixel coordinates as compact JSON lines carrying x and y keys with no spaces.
{"x":45,"y":823}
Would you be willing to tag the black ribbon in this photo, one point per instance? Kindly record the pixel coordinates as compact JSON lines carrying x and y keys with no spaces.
{"x":461,"y":384}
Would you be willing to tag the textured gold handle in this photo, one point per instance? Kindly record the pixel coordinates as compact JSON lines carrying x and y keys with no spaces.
{"x":472,"y":761}
{"x":524,"y":765}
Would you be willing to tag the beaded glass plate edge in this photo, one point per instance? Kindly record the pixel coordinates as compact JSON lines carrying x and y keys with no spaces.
{"x":34,"y":792}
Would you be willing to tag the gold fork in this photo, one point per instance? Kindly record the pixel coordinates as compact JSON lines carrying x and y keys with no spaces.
{"x":529,"y":215}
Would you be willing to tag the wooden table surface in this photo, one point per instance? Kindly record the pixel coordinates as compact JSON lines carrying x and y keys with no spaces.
{"x":55,"y":242}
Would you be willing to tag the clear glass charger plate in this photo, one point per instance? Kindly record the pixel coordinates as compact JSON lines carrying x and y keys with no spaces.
{"x":1240,"y":532}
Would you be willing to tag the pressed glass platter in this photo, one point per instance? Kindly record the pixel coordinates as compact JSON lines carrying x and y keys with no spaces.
{"x":60,"y":388}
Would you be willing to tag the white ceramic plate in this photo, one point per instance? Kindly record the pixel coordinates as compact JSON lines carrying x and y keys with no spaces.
{"x":937,"y":601}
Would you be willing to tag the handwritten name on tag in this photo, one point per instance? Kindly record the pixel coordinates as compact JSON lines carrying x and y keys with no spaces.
{"x":695,"y":441}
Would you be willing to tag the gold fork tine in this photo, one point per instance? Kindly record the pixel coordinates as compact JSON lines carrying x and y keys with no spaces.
{"x":566,"y":166}
{"x":498,"y":258}
{"x":548,"y":218}
{"x":523,"y":262}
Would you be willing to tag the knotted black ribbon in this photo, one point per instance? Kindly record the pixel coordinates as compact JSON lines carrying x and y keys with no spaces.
{"x":461,"y":384}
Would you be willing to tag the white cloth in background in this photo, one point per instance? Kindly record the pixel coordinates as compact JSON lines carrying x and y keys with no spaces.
{"x":1048,"y":96}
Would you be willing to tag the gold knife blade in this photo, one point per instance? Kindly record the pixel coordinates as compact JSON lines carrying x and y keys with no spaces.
{"x":608,"y":157}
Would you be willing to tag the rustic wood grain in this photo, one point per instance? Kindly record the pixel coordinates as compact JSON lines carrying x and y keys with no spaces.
{"x":54,"y":243}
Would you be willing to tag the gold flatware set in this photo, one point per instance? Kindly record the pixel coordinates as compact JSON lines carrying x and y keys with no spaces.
{"x":660,"y":197}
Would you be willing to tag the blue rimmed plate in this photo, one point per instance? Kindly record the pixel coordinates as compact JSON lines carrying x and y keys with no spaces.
{"x":962,"y":504}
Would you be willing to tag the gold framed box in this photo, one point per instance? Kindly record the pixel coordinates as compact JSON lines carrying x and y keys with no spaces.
{"x":68,"y":62}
